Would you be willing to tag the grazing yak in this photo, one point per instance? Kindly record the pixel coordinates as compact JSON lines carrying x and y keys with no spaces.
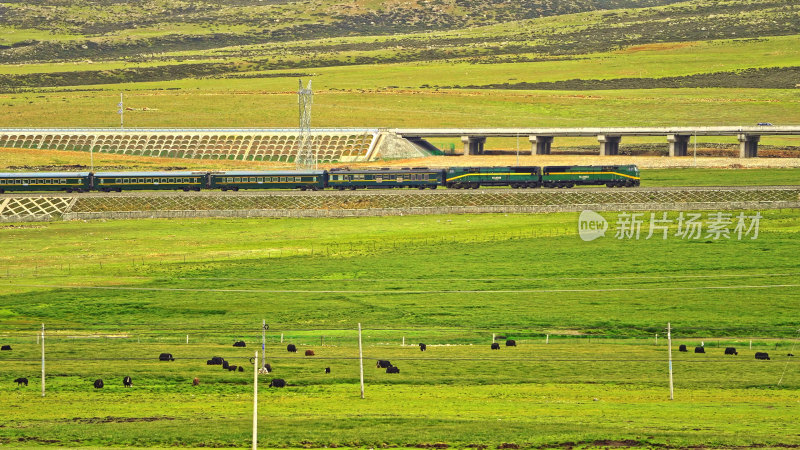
{"x":225,"y":364}
{"x":789,"y":354}
{"x":241,"y":369}
{"x":383,"y":364}
{"x":277,"y":382}
{"x":309,"y":352}
{"x":392,"y":369}
{"x":232,"y":368}
{"x":239,"y":344}
{"x":98,"y":383}
{"x":215,"y":361}
{"x":422,"y":347}
{"x":511,"y":343}
{"x":291,"y":348}
{"x":268,"y":368}
{"x":495,"y":346}
{"x":196,"y":381}
{"x":20,"y":381}
{"x":5,"y":347}
{"x":762,"y":355}
{"x":731,"y":351}
{"x":327,"y":370}
{"x":699,"y":349}
{"x":682,"y":348}
{"x":166,"y":357}
{"x":127,"y":382}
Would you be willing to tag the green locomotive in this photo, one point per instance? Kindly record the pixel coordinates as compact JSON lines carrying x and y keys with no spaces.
{"x":475,"y":177}
{"x":569,"y":176}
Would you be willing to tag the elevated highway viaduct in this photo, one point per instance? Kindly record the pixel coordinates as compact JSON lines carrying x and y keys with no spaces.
{"x":608,"y":138}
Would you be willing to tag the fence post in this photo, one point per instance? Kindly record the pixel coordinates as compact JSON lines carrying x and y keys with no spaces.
{"x":669,"y":351}
{"x":42,"y":360}
{"x":361,"y":360}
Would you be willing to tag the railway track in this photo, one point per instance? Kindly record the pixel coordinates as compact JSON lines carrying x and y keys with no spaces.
{"x":370,"y":192}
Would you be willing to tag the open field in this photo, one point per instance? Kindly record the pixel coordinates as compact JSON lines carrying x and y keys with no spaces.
{"x":590,"y":368}
{"x":140,"y":287}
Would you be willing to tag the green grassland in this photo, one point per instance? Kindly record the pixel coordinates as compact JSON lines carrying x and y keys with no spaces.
{"x":115,"y":294}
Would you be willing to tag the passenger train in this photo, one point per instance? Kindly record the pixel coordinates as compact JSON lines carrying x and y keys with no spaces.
{"x":341,"y":179}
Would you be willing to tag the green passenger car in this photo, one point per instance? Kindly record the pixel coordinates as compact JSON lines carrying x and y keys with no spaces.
{"x":45,"y":181}
{"x":273,"y":179}
{"x":475,"y":177}
{"x":569,"y":176}
{"x":119,"y":181}
{"x":419,"y":178}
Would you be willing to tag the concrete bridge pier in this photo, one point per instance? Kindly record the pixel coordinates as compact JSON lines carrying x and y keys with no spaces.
{"x":473,"y":145}
{"x":748,"y":145}
{"x":609,"y":145}
{"x":540,"y":145}
{"x":678,"y":144}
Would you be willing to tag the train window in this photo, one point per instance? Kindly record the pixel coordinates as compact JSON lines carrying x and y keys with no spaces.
{"x":125,"y":180}
{"x":252,"y":179}
{"x":17,"y":181}
{"x":172,"y":180}
{"x":260,"y":179}
{"x":62,"y":181}
{"x":237,"y":180}
{"x":149,"y":181}
{"x":283,"y":179}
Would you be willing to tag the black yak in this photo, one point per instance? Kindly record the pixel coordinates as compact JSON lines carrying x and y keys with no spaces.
{"x":382,"y":364}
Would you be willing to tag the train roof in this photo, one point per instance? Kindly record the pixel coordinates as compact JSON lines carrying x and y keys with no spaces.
{"x":267,"y":172}
{"x":43,"y":174}
{"x":612,"y":166}
{"x":149,"y":174}
{"x":386,"y":170}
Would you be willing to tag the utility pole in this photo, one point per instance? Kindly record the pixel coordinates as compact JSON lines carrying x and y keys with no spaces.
{"x":669,"y":347}
{"x":255,"y":403}
{"x":361,"y":360}
{"x":306,"y":158}
{"x":42,"y":360}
